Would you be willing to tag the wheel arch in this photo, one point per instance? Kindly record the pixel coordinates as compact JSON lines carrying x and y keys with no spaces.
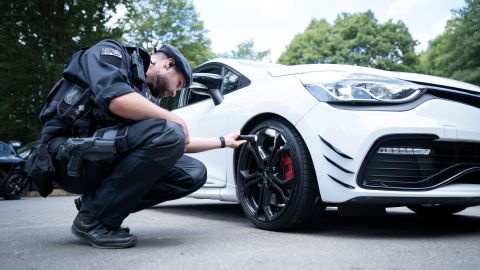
{"x":251,"y":123}
{"x":307,"y":204}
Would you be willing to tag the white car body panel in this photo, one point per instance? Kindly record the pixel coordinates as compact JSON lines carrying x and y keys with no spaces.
{"x":301,"y":69}
{"x":278,"y":90}
{"x":207,"y":120}
{"x":355,"y":137}
{"x":198,"y":117}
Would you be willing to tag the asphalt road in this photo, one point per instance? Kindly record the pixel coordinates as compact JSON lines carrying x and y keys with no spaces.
{"x":204,"y":234}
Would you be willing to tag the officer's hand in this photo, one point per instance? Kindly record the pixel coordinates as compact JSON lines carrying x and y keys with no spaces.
{"x":231,"y":140}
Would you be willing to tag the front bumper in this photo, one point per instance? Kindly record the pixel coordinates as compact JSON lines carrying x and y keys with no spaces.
{"x":419,"y":162}
{"x":340,"y":139}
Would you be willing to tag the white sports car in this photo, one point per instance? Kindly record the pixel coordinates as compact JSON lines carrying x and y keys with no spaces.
{"x":334,"y":135}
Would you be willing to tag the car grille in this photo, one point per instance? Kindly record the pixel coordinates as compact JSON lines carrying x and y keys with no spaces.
{"x":400,"y":167}
{"x":469,"y":97}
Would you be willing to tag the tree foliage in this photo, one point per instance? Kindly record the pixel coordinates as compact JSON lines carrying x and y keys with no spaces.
{"x":38,"y":38}
{"x":245,"y":51}
{"x":357,"y":39}
{"x":150,"y":23}
{"x":456,"y":52}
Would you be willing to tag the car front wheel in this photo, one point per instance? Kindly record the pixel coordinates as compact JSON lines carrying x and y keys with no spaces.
{"x":15,"y":186}
{"x":276,"y":183}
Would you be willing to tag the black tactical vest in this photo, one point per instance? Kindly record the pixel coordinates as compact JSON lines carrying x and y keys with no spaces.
{"x":70,"y":108}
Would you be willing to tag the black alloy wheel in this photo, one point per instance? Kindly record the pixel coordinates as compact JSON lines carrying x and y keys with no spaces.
{"x":15,"y":186}
{"x":276,"y":182}
{"x":436,"y":209}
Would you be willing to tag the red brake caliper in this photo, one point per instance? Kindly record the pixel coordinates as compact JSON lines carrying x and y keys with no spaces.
{"x":287,"y":167}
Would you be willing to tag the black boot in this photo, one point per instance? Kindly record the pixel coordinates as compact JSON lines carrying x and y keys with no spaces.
{"x":100,"y":235}
{"x":78,"y":204}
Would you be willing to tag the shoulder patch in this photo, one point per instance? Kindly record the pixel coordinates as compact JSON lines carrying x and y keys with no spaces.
{"x":111,"y":56}
{"x":73,"y":95}
{"x":111,"y":51}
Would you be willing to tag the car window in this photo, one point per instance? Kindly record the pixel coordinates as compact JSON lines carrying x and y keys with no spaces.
{"x":192,"y":97}
{"x":185,"y":96}
{"x":231,"y":81}
{"x":171,"y":103}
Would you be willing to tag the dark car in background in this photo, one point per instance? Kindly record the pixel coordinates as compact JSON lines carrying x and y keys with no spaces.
{"x":14,"y":183}
{"x":25,"y":150}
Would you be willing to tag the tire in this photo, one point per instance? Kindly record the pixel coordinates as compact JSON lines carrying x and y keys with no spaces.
{"x":15,"y":186}
{"x":436,"y":209}
{"x":276,"y":183}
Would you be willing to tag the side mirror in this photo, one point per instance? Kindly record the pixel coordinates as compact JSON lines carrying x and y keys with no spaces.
{"x":208,"y":84}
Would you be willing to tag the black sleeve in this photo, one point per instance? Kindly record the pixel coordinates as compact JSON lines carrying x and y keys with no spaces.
{"x":105,"y":69}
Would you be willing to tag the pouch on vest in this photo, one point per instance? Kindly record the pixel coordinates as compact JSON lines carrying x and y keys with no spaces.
{"x":75,"y":108}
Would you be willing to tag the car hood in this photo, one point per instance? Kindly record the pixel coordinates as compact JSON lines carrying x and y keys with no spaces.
{"x":413,"y":77}
{"x":11,"y":159}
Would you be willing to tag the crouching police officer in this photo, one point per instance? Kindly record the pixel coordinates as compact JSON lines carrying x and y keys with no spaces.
{"x":105,"y":137}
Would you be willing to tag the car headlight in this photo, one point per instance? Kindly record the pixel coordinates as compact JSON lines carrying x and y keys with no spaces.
{"x":341,"y":87}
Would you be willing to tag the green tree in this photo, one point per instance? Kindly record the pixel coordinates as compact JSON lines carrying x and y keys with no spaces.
{"x":311,"y":47}
{"x":37,"y":39}
{"x":357,"y":39}
{"x":245,"y":51}
{"x":456,"y":52}
{"x":150,"y":23}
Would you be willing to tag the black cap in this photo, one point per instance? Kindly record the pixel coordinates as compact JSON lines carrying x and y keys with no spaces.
{"x":180,"y":62}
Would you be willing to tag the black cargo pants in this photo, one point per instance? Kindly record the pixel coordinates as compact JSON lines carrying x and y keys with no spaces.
{"x":154,"y":170}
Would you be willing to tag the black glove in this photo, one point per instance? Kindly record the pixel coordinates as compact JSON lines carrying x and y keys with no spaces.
{"x":40,"y":170}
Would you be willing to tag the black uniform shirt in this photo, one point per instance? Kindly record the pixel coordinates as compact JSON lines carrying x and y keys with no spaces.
{"x":106,"y":68}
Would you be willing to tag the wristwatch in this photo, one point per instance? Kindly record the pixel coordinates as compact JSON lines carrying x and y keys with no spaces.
{"x":222,"y":141}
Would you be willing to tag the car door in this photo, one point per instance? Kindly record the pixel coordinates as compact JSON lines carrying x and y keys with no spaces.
{"x":204,"y":119}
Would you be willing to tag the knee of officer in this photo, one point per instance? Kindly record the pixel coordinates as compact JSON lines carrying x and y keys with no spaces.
{"x":156,"y":136}
{"x":156,"y":131}
{"x":199,"y":174}
{"x":175,"y":132}
{"x":171,"y":140}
